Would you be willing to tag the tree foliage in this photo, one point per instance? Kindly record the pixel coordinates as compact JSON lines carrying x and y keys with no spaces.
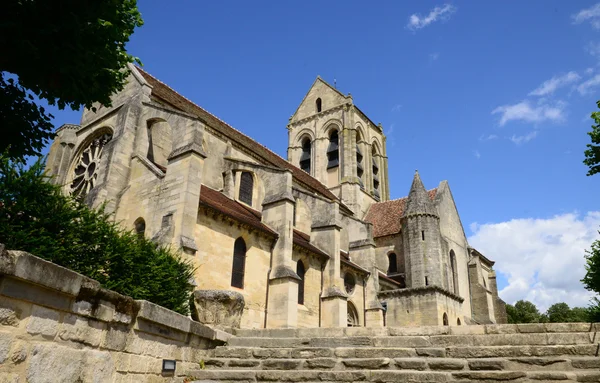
{"x":36,"y":217}
{"x":526,"y":312}
{"x":591,"y":280}
{"x":592,"y":154}
{"x":70,"y":53}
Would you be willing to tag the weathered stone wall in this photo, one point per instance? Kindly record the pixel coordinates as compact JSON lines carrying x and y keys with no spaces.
{"x":387,"y":245}
{"x":216,"y":236}
{"x":423,"y":306}
{"x":308,"y":313}
{"x":59,"y":326}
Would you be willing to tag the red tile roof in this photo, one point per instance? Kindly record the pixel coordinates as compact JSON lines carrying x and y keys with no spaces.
{"x":303,"y":240}
{"x":233,"y":209}
{"x":170,"y":96}
{"x":388,"y":279}
{"x":385,"y":216}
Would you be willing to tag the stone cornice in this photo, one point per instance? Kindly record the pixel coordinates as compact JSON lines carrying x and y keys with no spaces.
{"x":316,"y":115}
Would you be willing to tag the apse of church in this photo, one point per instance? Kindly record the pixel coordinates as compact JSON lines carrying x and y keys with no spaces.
{"x":311,"y":241}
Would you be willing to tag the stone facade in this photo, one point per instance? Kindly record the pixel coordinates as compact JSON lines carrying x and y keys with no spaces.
{"x":306,"y":241}
{"x":59,"y":326}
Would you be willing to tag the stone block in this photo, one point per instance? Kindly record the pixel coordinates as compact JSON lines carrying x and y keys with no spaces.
{"x":489,"y":375}
{"x":248,"y":363}
{"x":321,"y":363}
{"x":43,"y":321}
{"x":272,"y":353}
{"x":99,"y":367}
{"x":22,"y":290}
{"x":281,"y":364}
{"x":309,"y":353}
{"x":409,"y":376}
{"x":431,"y":352}
{"x":158,"y":314}
{"x":243,"y":353}
{"x":8,"y":317}
{"x":341,"y":342}
{"x":115,"y":337}
{"x":446,"y":364}
{"x":588,"y":376}
{"x":486,"y":364}
{"x":344,"y":376}
{"x":6,"y":341}
{"x":231,"y":375}
{"x":19,"y":352}
{"x":586,"y":363}
{"x":81,"y":330}
{"x":410,"y":364}
{"x":367,"y":363}
{"x":50,"y":363}
{"x":219,"y":308}
{"x":383,"y":353}
{"x":547,"y":375}
{"x":405,"y":341}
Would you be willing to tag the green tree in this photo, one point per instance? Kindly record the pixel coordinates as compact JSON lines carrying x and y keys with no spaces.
{"x":559,"y":313}
{"x":70,"y":53}
{"x":591,"y":280}
{"x":523,"y":312}
{"x":36,"y":217}
{"x":592,"y":154}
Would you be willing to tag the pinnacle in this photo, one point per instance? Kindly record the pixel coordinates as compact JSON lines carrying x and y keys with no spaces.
{"x":418,"y":199}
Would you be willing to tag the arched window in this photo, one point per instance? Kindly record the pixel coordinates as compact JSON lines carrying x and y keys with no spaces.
{"x":239,"y":263}
{"x":445,"y":319}
{"x":458,"y":321}
{"x":305,"y":157}
{"x":352,"y":315}
{"x":301,"y":271}
{"x":319,"y":104}
{"x":453,"y":272}
{"x":349,"y":283}
{"x":484,"y":283}
{"x":375,"y":159}
{"x":359,"y":160}
{"x":393,"y":264}
{"x":140,"y":227}
{"x":246,"y":187}
{"x":333,"y":150}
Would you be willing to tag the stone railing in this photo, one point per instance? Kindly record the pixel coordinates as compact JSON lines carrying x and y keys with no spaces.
{"x":59,"y":326}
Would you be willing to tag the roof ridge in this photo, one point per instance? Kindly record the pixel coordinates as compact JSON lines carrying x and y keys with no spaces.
{"x":232,"y":128}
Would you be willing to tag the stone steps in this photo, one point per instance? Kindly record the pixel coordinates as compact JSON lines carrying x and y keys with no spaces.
{"x":418,"y":364}
{"x":391,"y":376}
{"x":487,"y":353}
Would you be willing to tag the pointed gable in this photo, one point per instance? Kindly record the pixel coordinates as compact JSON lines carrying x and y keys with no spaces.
{"x":320,"y":89}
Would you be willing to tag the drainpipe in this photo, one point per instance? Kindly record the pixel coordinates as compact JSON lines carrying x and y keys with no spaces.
{"x":365,"y":300}
{"x":322,"y":284}
{"x":268,"y":279}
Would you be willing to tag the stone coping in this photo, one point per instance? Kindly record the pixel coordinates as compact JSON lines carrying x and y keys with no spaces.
{"x":59,"y":288}
{"x":419,"y":291}
{"x":527,"y":328}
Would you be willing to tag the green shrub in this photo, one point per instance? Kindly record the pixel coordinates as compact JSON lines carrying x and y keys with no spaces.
{"x":36,"y":217}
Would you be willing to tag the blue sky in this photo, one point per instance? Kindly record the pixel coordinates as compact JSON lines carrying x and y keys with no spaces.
{"x":494,"y":97}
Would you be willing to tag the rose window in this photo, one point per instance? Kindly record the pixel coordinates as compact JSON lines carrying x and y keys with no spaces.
{"x":86,"y":170}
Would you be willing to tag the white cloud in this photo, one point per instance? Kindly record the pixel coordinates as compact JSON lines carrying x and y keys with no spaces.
{"x":549,"y":86}
{"x":416,"y":21}
{"x":589,"y":71}
{"x":587,"y":86}
{"x":542,"y":259}
{"x":591,"y":14}
{"x":593,"y":49}
{"x":434,"y":56}
{"x":524,"y":111}
{"x":477,"y":154}
{"x":396,"y":107}
{"x":488,"y":137}
{"x":518,"y":140}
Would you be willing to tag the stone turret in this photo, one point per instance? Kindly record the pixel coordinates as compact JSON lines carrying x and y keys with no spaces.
{"x":421,"y":238}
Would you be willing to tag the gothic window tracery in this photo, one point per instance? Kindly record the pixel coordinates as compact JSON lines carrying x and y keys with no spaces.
{"x":86,"y":170}
{"x":333,"y":150}
{"x":352,"y":316}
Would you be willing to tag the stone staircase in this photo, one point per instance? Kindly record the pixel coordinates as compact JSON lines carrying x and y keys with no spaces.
{"x":567,"y":352}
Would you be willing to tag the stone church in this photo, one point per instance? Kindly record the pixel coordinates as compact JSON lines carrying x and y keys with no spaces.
{"x":311,"y":241}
